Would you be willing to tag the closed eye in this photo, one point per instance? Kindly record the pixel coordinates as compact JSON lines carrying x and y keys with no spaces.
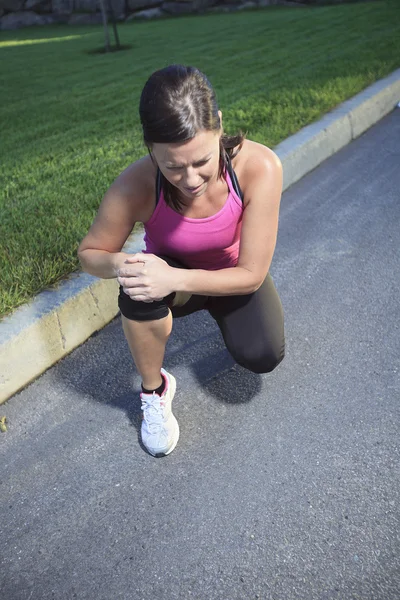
{"x":199,"y":164}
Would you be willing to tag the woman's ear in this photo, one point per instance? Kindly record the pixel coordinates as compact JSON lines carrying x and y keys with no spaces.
{"x":220,"y":119}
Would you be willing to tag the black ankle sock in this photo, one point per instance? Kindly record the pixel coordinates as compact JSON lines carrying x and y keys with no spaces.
{"x":159,"y":390}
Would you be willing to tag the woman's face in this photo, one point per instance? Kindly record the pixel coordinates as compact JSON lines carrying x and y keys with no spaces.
{"x":190,"y":166}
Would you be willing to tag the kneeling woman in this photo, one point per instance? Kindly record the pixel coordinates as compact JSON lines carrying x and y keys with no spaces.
{"x":209,"y":204}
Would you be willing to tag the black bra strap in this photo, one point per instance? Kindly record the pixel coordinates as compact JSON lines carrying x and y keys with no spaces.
{"x":234,"y":179}
{"x":158,"y":185}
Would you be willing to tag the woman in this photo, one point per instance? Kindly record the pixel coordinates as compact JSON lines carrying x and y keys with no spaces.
{"x":209,"y":204}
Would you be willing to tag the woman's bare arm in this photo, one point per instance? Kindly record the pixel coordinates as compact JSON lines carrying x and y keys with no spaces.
{"x":125,"y":203}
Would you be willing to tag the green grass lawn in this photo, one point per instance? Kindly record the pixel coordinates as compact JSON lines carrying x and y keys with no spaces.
{"x":69,"y":117}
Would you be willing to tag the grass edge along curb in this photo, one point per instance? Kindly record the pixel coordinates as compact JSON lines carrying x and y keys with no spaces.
{"x":57,"y":321}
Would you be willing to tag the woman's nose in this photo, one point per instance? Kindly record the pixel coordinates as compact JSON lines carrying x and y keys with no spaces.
{"x":191,"y":178}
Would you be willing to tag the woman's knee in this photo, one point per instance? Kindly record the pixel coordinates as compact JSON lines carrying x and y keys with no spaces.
{"x":263,"y":362}
{"x":142,"y":311}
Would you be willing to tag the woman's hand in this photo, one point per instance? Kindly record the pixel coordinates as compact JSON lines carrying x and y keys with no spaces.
{"x":146,"y":277}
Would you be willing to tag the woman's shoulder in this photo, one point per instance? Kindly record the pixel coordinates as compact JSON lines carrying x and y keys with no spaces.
{"x":255,"y":160}
{"x":139,"y":176}
{"x":257,"y":167}
{"x":137,"y":185}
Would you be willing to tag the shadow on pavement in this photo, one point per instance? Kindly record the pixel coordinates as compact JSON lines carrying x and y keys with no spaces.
{"x":103,"y":369}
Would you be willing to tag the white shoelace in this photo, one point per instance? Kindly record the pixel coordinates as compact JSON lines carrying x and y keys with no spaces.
{"x":153,"y":412}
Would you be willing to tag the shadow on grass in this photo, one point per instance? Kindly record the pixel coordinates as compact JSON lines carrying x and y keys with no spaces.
{"x":102,"y":50}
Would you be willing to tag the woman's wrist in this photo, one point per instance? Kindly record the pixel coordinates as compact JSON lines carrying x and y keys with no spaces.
{"x":118,"y":261}
{"x":180,"y":279}
{"x":101,"y":263}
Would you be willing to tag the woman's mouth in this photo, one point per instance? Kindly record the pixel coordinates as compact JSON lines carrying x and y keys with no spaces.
{"x":192,"y":190}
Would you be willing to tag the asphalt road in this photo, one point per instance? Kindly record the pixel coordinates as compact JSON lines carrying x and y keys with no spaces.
{"x":283,"y":486}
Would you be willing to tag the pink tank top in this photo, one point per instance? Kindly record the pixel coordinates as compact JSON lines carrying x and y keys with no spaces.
{"x":211,"y":243}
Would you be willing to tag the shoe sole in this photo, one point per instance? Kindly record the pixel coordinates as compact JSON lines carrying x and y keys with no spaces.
{"x":161,"y":454}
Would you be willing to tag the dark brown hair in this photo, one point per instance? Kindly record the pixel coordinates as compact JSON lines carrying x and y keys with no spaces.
{"x":177,"y":102}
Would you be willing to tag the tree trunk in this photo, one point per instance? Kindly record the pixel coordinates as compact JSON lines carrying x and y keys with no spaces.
{"x":114,"y":23}
{"x":105,"y":25}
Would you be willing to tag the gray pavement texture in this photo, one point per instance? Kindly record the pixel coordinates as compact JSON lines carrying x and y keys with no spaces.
{"x":283,"y":486}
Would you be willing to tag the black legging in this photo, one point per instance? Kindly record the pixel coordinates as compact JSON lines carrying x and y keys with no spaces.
{"x":251,"y":325}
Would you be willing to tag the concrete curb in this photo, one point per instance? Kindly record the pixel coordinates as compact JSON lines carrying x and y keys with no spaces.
{"x":308,"y":148}
{"x":39,"y":334}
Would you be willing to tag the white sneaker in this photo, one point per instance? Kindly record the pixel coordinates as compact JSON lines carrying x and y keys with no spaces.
{"x":160,"y":429}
